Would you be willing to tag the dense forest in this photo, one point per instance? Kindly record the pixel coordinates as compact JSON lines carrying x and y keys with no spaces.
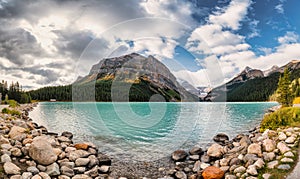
{"x":259,"y":89}
{"x":13,"y":91}
{"x":102,"y":91}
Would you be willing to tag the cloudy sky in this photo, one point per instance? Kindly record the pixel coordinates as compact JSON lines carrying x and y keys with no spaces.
{"x":52,"y":42}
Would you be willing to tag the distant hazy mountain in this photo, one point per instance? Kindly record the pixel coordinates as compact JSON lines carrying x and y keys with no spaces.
{"x":253,"y":84}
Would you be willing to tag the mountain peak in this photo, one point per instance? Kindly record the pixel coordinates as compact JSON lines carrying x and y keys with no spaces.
{"x":247,"y":69}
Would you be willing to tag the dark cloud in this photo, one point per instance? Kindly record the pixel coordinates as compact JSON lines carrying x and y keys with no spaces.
{"x":15,"y":43}
{"x":72,"y":43}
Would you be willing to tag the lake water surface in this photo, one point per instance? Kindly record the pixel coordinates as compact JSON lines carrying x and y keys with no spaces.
{"x":148,"y":131}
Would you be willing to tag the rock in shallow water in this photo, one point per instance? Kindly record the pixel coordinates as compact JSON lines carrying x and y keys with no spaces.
{"x":196,"y":150}
{"x":179,"y":155}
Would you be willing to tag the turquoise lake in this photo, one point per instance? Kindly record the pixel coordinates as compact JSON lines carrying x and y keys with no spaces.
{"x":148,"y":131}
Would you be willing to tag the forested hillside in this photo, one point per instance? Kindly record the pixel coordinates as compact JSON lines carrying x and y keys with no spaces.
{"x":257,"y":89}
{"x":101,"y":91}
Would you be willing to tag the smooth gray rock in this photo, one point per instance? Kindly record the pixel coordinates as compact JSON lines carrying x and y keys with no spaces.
{"x":284,"y":167}
{"x":11,"y":169}
{"x":272,"y":164}
{"x":33,"y":170}
{"x":82,"y":161}
{"x":27,"y":175}
{"x":5,"y":158}
{"x":67,"y":171}
{"x":78,"y":154}
{"x":81,"y":176}
{"x":53,"y":170}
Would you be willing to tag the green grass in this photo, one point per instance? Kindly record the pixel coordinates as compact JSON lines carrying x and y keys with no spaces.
{"x":11,"y":112}
{"x":12,"y":103}
{"x":288,"y":116}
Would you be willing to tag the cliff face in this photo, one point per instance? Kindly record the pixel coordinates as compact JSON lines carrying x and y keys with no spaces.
{"x":137,"y":69}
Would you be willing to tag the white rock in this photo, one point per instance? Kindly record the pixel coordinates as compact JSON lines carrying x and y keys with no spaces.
{"x":26,"y":175}
{"x":281,"y":136}
{"x":252,"y":170}
{"x":215,"y":150}
{"x":283,"y":147}
{"x":290,"y":140}
{"x":269,"y":145}
{"x":197,"y":166}
{"x":255,"y":149}
{"x":240,"y":169}
{"x":287,"y":160}
{"x":259,"y":163}
{"x":272,"y":164}
{"x":289,"y":154}
{"x":204,"y":165}
{"x":5,"y":158}
{"x":11,"y":169}
{"x":82,"y":161}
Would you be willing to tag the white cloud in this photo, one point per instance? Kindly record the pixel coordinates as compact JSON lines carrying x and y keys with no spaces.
{"x":279,"y":8}
{"x":265,"y":50}
{"x":254,"y":32}
{"x":231,"y":16}
{"x":289,"y":37}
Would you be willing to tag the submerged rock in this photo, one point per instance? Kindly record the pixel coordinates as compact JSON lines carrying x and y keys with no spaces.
{"x":179,"y":155}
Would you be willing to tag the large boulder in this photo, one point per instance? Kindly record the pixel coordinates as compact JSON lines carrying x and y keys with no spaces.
{"x":17,"y":133}
{"x":215,"y":150}
{"x":179,"y":155}
{"x":41,"y":151}
{"x":213,"y":172}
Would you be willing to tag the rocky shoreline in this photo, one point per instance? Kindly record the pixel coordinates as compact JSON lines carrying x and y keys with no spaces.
{"x":30,"y":151}
{"x":246,"y":156}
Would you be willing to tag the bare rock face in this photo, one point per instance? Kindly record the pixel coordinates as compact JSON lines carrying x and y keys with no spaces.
{"x":42,"y":152}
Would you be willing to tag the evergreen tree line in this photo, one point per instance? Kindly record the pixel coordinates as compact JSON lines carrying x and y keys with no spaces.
{"x":260,"y":89}
{"x":287,"y":91}
{"x":13,"y":91}
{"x":102,"y":91}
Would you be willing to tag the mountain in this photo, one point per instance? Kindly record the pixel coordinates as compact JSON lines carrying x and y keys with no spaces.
{"x":131,"y":77}
{"x":247,"y":74}
{"x":253,"y":84}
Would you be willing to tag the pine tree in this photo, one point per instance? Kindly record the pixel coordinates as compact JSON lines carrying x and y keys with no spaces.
{"x":285,"y":95}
